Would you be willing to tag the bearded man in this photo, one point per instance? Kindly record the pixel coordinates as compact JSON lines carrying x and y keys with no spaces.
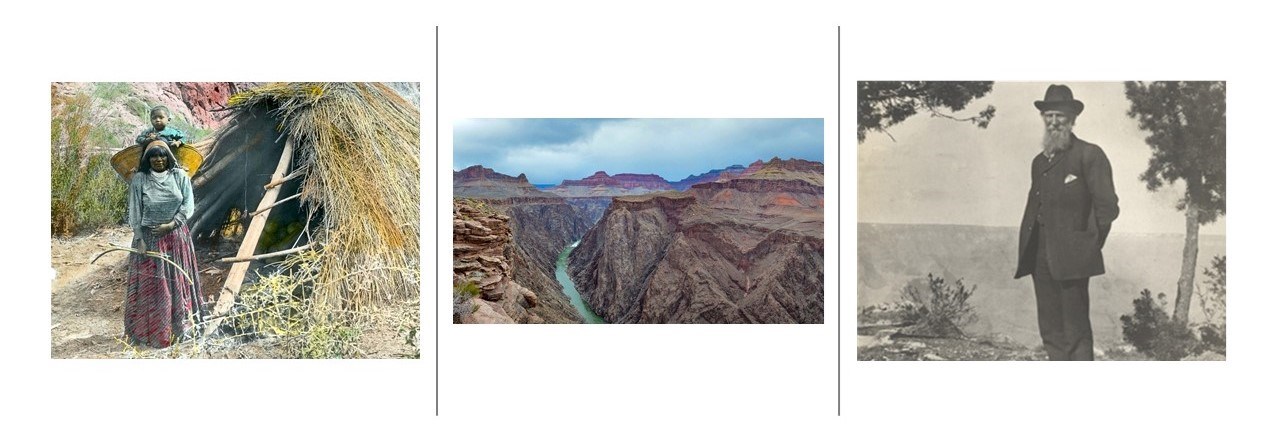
{"x":1071,"y":206}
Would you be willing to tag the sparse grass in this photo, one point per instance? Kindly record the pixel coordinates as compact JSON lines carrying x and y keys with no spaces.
{"x":409,"y":327}
{"x":110,"y":91}
{"x":466,"y":289}
{"x":139,"y":108}
{"x":462,"y":292}
{"x":193,"y":133}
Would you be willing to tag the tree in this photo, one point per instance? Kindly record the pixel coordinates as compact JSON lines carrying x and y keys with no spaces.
{"x":1186,"y":122}
{"x":886,"y":103}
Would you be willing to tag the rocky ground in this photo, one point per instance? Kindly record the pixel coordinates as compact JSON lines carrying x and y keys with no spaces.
{"x":88,"y":316}
{"x":887,"y":343}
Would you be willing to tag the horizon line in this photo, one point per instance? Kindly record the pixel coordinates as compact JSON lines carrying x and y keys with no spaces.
{"x":1016,"y":226}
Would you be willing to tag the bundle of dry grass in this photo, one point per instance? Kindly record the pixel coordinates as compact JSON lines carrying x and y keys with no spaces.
{"x":357,"y":152}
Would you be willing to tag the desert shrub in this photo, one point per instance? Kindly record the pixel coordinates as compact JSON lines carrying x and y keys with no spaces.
{"x":85,"y":192}
{"x":1151,"y":330}
{"x":940,"y":309}
{"x":462,"y":292}
{"x":1213,"y":301}
{"x":466,"y":289}
{"x":282,"y":305}
{"x":103,"y":197}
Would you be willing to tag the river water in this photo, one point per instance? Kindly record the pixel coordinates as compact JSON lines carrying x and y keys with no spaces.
{"x":569,"y":287}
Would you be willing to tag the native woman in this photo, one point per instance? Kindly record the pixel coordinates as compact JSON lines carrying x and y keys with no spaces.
{"x":163,"y":303}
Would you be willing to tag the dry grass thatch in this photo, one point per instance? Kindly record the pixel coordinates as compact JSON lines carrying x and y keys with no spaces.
{"x":357,"y":145}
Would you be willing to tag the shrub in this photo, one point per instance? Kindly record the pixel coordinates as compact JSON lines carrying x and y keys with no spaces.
{"x":1213,"y":299}
{"x":462,"y":292}
{"x":281,"y":305}
{"x":939,"y":310}
{"x":85,"y":192}
{"x":1151,"y":330}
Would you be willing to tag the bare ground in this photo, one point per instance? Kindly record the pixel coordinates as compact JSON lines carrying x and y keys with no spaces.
{"x":88,"y":315}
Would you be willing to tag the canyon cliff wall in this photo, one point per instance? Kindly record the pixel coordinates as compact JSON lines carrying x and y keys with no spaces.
{"x":541,"y":225}
{"x":484,"y":290}
{"x":749,"y":249}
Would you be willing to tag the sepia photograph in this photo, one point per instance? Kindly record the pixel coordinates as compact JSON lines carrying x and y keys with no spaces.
{"x":1062,"y":221}
{"x":638,"y":221}
{"x":235,"y":220}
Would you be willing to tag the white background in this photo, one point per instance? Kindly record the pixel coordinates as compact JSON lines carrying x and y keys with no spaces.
{"x":620,"y":372}
{"x":649,"y":59}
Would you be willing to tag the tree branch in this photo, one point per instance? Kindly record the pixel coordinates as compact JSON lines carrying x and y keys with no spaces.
{"x":267,"y":255}
{"x":156,"y":255}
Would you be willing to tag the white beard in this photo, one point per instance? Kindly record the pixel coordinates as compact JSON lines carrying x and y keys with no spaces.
{"x":1056,"y":140}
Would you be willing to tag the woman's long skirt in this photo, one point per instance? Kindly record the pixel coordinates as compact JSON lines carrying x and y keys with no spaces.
{"x":162,"y":305}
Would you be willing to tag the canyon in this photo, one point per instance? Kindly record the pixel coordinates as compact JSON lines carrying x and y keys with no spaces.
{"x":736,"y":245}
{"x":891,"y":256}
{"x":747,"y":249}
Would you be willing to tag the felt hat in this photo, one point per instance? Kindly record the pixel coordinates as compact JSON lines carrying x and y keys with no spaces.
{"x":1059,"y":97}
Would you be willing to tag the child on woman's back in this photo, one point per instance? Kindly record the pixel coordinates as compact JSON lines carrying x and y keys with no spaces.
{"x":160,"y":130}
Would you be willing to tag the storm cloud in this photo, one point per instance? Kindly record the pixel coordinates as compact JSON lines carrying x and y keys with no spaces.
{"x":552,"y":150}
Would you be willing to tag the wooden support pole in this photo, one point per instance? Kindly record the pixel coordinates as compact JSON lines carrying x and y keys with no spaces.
{"x":235,"y":277}
{"x":280,"y":181}
{"x":272,"y":205}
{"x":268,"y":255}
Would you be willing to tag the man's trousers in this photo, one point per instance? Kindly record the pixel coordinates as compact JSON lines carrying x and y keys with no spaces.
{"x":1063,"y":310}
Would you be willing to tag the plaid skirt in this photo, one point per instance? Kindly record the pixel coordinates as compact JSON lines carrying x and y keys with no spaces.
{"x":162,"y":305}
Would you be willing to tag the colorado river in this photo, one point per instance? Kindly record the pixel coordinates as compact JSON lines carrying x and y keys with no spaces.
{"x":569,"y":288}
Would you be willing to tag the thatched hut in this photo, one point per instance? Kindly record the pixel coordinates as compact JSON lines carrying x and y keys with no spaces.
{"x":351,"y":195}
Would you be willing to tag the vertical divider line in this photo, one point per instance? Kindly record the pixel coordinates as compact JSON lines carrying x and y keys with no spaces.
{"x":437,"y":273}
{"x":839,"y":219}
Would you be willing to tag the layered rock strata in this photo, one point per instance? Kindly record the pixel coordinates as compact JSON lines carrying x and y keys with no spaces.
{"x":540,"y":225}
{"x":484,"y":290}
{"x":711,"y":176}
{"x":748,"y":249}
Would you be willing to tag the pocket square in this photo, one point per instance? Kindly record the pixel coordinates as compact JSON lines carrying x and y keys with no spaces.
{"x":1069,"y":179}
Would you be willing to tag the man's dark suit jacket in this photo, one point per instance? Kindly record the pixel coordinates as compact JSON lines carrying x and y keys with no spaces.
{"x":1077,"y":214}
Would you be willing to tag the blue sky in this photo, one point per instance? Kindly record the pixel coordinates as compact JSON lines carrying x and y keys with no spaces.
{"x":552,"y":150}
{"x":938,"y":171}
